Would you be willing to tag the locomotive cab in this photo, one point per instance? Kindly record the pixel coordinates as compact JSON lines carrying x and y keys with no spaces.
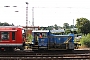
{"x":10,"y":37}
{"x":40,"y":39}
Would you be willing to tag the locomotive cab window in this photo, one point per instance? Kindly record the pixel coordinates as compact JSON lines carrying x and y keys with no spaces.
{"x":44,"y":35}
{"x":13,"y":35}
{"x":4,"y":35}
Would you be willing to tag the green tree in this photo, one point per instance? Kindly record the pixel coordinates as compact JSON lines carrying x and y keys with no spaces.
{"x":71,"y":26}
{"x":30,"y":38}
{"x":56,"y":27}
{"x":67,"y":31}
{"x":85,"y":40}
{"x":83,"y":25}
{"x":12,"y":24}
{"x":66,"y":25}
{"x":6,"y":24}
{"x":50,"y":28}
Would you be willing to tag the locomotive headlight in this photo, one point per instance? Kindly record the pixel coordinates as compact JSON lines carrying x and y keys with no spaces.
{"x":32,"y":43}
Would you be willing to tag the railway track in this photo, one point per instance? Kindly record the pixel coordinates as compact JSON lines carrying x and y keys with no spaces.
{"x":27,"y":52}
{"x":48,"y":55}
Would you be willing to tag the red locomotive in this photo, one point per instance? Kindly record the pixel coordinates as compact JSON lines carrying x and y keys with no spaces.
{"x":11,"y":37}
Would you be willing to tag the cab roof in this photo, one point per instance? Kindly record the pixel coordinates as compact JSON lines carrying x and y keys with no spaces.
{"x":52,"y":31}
{"x":11,"y":27}
{"x":40,"y":31}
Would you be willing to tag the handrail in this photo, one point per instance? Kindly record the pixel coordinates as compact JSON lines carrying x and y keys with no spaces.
{"x":68,"y":40}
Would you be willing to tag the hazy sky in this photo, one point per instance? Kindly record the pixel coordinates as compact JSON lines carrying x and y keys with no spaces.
{"x":46,"y":12}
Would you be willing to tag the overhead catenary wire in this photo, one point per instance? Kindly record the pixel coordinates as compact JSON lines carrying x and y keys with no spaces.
{"x":66,"y":7}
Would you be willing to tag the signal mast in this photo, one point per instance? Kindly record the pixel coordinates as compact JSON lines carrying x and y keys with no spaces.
{"x":26,"y":18}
